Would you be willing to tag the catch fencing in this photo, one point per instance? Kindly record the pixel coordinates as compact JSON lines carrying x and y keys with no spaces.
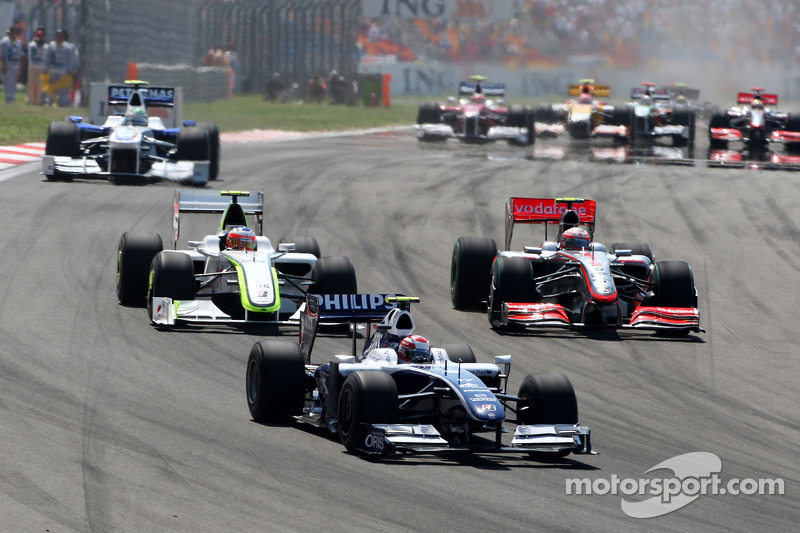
{"x":298,"y":38}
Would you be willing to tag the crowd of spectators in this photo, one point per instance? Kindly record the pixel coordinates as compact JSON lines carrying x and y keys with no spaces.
{"x":621,"y":32}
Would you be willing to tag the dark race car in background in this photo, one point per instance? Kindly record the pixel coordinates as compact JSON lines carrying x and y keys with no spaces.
{"x":379,"y":405}
{"x":478,"y":115}
{"x":550,"y":285}
{"x":655,"y":116}
{"x":140,"y":139}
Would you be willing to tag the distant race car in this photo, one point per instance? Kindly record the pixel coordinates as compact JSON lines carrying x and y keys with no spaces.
{"x":571,"y":281}
{"x":478,"y":115}
{"x":232,"y":276}
{"x":584,"y":115}
{"x":656,"y":116}
{"x":398,"y":395}
{"x":755,"y":124}
{"x":131,"y":144}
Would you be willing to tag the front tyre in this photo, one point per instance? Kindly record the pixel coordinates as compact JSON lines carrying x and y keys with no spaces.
{"x":213,"y":145}
{"x":367,"y":397}
{"x":512,"y":281}
{"x":171,"y":276}
{"x":275,"y":380}
{"x":134,"y":255}
{"x":334,"y":275}
{"x":547,"y":398}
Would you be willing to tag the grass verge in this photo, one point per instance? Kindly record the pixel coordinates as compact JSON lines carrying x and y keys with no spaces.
{"x":20,"y":123}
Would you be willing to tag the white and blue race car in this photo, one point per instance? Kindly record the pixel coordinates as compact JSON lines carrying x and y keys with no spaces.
{"x":379,"y":405}
{"x":133,"y":144}
{"x":210,"y":283}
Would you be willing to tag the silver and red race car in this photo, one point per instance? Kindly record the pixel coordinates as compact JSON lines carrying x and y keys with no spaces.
{"x":478,"y":115}
{"x":755,"y":124}
{"x":655,"y":116}
{"x":571,"y":281}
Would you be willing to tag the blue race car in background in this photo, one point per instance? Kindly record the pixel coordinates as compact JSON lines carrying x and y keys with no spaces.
{"x":133,"y":143}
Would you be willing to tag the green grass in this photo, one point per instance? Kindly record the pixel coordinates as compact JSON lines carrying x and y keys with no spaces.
{"x":21,"y":123}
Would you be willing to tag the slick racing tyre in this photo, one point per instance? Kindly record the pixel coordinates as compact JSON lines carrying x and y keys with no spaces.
{"x":367,"y":397}
{"x":334,"y":275}
{"x":275,"y":381}
{"x":547,"y":398}
{"x":460,"y":353}
{"x":684,"y":118}
{"x":718,"y":120}
{"x":793,"y":124}
{"x":512,"y":281}
{"x":193,"y":144}
{"x":64,"y":140}
{"x":674,"y":285}
{"x":429,"y":113}
{"x":636,"y":248}
{"x":470,"y":271}
{"x":134,"y":255}
{"x":213,"y":146}
{"x":304,"y":245}
{"x":622,"y":116}
{"x":171,"y":276}
{"x":522,"y":117}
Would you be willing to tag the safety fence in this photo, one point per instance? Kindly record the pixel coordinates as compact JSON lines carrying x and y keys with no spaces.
{"x":298,"y":38}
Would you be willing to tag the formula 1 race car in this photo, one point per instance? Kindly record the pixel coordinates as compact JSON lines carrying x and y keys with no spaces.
{"x":656,"y":116}
{"x":441,"y":400}
{"x":754,"y":124}
{"x":571,"y":281}
{"x":132,"y":145}
{"x":583,"y":115}
{"x":232,"y":276}
{"x":475,"y":117}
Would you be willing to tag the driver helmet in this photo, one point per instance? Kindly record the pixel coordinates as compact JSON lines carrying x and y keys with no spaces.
{"x":414,"y":349}
{"x":758,"y":103}
{"x":574,"y":239}
{"x":585,"y":98}
{"x":136,"y":116}
{"x":241,"y":238}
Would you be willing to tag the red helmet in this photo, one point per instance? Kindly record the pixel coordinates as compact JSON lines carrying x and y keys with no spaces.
{"x":575,"y":239}
{"x":414,"y":349}
{"x":241,"y":238}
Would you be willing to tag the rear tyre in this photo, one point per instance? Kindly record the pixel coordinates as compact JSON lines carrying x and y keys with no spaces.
{"x":793,"y":124}
{"x":547,"y":398}
{"x":470,"y":271}
{"x":674,"y":285}
{"x":134,"y":255}
{"x":462,"y":352}
{"x":171,"y":276}
{"x":304,"y":245}
{"x":366,"y":398}
{"x":275,"y":380}
{"x":334,"y":275}
{"x":512,"y":281}
{"x":213,"y":146}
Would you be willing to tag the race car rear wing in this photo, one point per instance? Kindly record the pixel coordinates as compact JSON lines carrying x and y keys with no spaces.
{"x":467,"y":88}
{"x":600,"y":91}
{"x":235,"y":210}
{"x":747,"y":98}
{"x":345,"y":309}
{"x":680,"y":89}
{"x":637,"y":93}
{"x":107,"y":99}
{"x":547,"y":211}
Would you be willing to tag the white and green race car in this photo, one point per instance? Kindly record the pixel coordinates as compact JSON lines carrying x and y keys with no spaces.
{"x":212,"y":283}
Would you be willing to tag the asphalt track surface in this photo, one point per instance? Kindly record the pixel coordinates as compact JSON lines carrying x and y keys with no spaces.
{"x":108,"y":424}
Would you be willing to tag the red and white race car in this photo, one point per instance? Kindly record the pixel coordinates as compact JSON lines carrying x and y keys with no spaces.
{"x":478,"y":115}
{"x":571,"y":281}
{"x":756,"y":123}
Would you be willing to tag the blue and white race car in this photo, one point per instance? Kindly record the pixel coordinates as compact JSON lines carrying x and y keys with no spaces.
{"x":441,"y":400}
{"x":219,"y":279}
{"x":133,"y":143}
